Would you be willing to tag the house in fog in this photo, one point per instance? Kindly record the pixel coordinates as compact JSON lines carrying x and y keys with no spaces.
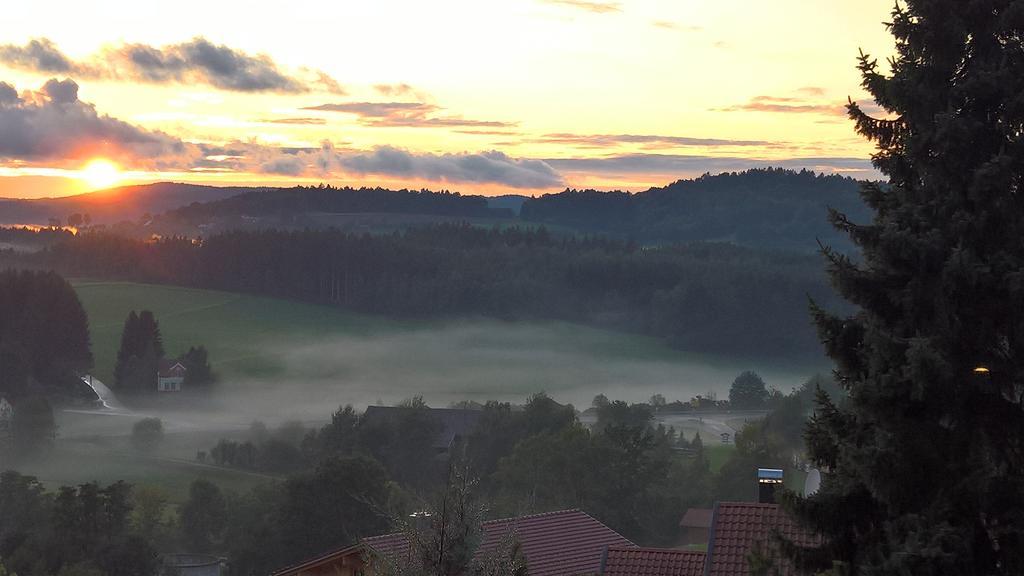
{"x":454,"y":423}
{"x":170,"y":376}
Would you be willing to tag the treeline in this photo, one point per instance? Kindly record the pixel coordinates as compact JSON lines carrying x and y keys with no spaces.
{"x":765,"y":208}
{"x":704,"y":297}
{"x":325,"y":198}
{"x":44,"y":334}
{"x":637,"y":476}
{"x":86,"y":530}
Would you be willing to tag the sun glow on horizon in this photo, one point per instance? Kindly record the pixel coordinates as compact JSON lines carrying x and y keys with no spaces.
{"x":100,"y":173}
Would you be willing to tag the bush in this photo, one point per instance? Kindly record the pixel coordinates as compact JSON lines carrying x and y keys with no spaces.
{"x":147,"y":433}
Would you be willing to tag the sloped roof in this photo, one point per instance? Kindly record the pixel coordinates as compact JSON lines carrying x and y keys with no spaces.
{"x":627,"y":561}
{"x":564,"y":543}
{"x":738,"y":527}
{"x":165,"y":366}
{"x":454,"y":421}
{"x":697,"y":518}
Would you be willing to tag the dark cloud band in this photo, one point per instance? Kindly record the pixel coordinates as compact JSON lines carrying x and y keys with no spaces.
{"x":197,"y":61}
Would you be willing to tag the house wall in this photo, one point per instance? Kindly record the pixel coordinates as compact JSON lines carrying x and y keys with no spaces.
{"x":169,"y":384}
{"x":693,"y":535}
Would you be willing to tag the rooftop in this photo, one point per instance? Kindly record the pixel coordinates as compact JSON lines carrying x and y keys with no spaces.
{"x":629,"y":561}
{"x":455,"y":422}
{"x":740,"y":526}
{"x":564,"y":543}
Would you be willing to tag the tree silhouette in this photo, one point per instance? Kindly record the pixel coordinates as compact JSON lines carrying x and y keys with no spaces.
{"x":925,"y":459}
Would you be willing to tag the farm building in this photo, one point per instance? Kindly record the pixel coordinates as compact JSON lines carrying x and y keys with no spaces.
{"x":455,"y":423}
{"x":170,"y":376}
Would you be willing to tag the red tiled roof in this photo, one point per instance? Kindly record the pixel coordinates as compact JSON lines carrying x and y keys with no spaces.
{"x":564,"y":543}
{"x":740,"y":526}
{"x":165,"y":366}
{"x":696,"y":518}
{"x":627,"y":561}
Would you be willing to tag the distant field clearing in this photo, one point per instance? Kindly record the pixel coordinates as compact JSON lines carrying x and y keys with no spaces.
{"x":281,"y":359}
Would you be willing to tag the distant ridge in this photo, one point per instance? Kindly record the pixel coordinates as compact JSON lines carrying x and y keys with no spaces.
{"x":763,"y":208}
{"x":769,"y":208}
{"x":114,"y":204}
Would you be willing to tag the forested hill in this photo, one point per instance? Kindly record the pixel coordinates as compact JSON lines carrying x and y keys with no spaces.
{"x":701,"y":297}
{"x":328,"y":199}
{"x":766,"y":208}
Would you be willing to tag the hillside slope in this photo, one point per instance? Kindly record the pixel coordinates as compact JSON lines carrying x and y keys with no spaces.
{"x":770,"y":208}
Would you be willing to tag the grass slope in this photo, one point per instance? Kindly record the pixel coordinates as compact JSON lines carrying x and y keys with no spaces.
{"x":227,"y":324}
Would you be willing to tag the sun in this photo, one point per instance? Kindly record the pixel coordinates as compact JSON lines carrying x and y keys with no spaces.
{"x":100,"y":173}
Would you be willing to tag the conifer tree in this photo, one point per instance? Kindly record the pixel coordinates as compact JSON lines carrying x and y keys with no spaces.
{"x":924,"y":462}
{"x":139,"y":355}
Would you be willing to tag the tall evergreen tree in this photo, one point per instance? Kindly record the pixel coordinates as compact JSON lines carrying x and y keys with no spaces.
{"x":925,"y":459}
{"x":139,"y":355}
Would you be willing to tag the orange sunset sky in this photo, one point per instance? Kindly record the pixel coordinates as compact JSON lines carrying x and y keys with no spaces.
{"x":516,"y":96}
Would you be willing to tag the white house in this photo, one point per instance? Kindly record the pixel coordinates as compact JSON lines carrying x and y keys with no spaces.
{"x":170,"y":376}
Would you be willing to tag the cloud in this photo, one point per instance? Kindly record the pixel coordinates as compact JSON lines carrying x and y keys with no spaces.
{"x":298,"y":121}
{"x":52,"y":127}
{"x":812,"y":90}
{"x":595,"y":7}
{"x":401,"y":89}
{"x":197,"y":61}
{"x":680,"y":164}
{"x":801,"y":105}
{"x":787,"y":105}
{"x":52,"y":124}
{"x":38,"y":55}
{"x":668,"y":25}
{"x":405,"y":114}
{"x":612,"y":140}
{"x":484,"y":167}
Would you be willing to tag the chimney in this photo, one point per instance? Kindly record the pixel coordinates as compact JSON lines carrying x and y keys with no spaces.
{"x":768,"y":481}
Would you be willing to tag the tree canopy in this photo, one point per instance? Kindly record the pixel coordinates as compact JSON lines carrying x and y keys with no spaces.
{"x":924,"y":458}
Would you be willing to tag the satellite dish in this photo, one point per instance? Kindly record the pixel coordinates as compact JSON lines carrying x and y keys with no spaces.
{"x":813,"y":482}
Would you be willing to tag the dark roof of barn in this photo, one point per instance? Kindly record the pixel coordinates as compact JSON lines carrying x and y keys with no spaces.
{"x":738,"y":526}
{"x":697,"y":518}
{"x":455,"y":422}
{"x":628,"y":561}
{"x":565,"y":543}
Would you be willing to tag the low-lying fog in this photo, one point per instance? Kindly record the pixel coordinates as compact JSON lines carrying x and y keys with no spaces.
{"x":479,"y":360}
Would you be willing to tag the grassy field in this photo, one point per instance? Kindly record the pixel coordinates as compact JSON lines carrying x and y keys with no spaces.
{"x":73,"y":462}
{"x":227,"y":324}
{"x":363,"y":359}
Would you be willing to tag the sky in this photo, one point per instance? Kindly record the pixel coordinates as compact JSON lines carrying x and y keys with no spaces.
{"x":478,"y":96}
